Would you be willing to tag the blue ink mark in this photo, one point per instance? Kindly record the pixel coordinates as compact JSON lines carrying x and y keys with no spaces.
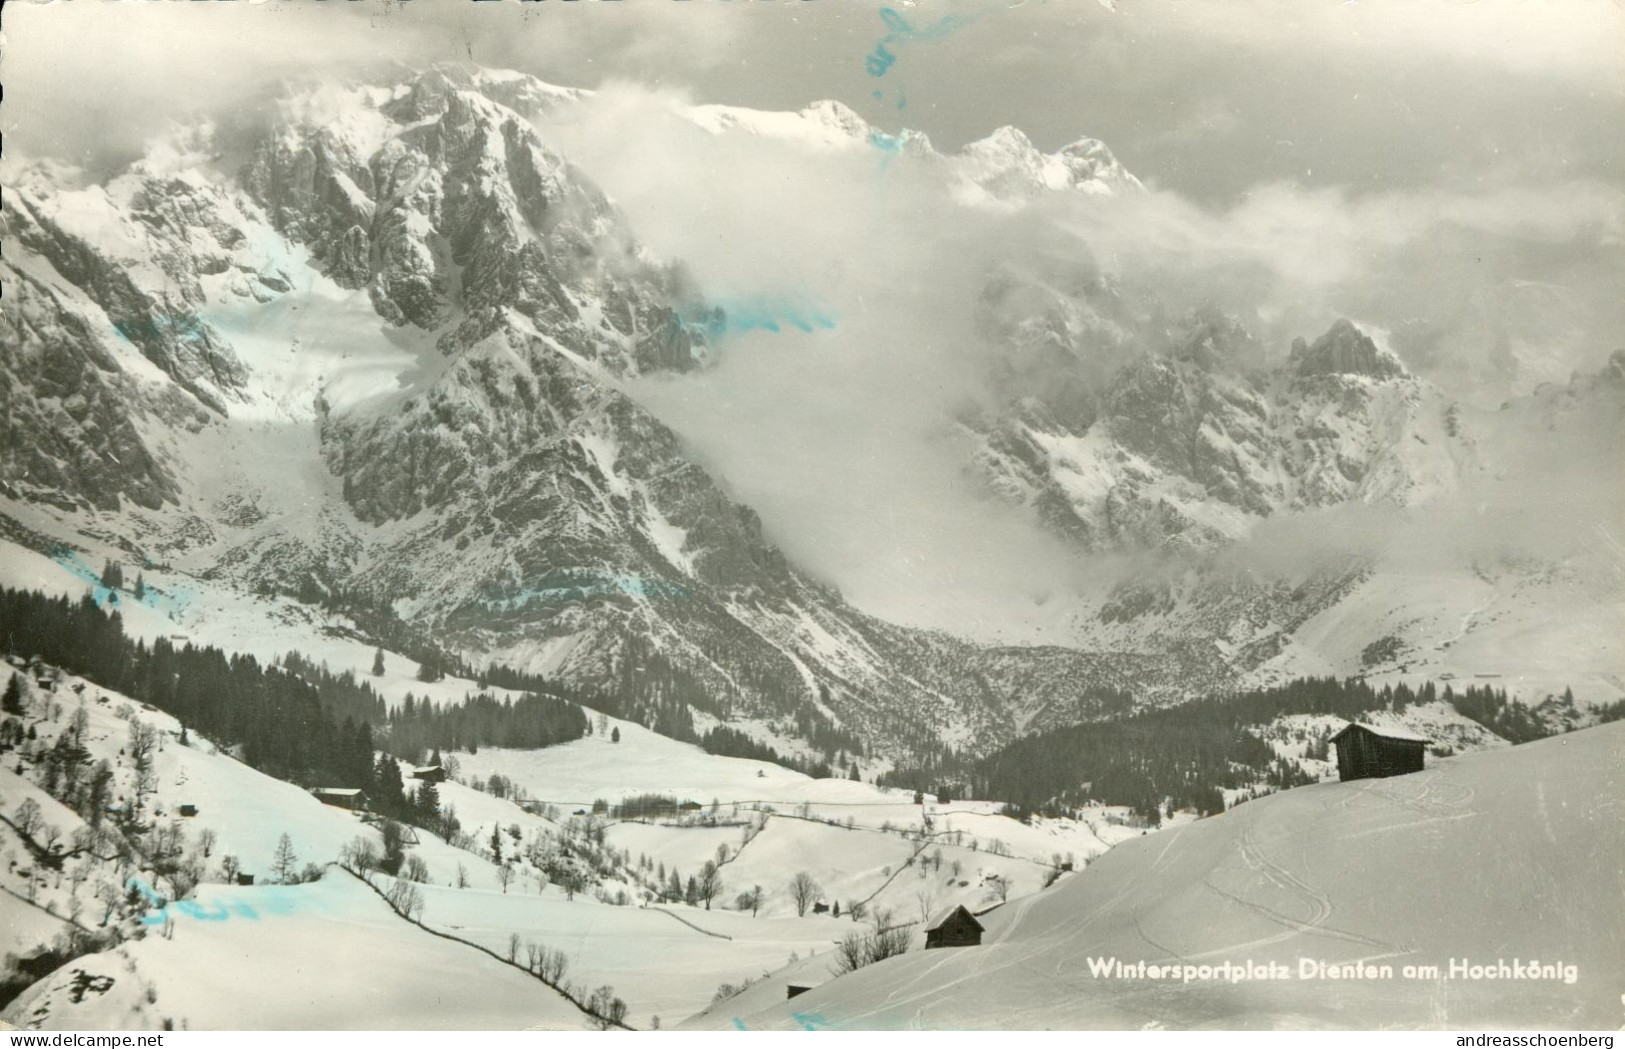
{"x":769,"y":315}
{"x":810,"y":1021}
{"x":276,"y":900}
{"x":194,"y":909}
{"x":739,"y":1025}
{"x":164,"y":599}
{"x":153,"y":900}
{"x":186,"y":329}
{"x":880,"y":61}
{"x":886,"y":143}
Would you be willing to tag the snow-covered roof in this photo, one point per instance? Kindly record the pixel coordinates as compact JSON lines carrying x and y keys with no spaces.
{"x":949,"y":912}
{"x":1386,"y":732}
{"x":346,"y":791}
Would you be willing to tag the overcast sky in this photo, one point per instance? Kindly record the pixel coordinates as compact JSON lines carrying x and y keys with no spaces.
{"x":1207,"y":98}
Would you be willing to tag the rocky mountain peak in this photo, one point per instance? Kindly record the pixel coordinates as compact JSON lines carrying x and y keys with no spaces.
{"x":1344,"y":350}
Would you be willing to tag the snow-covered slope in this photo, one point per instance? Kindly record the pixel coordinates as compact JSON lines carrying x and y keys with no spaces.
{"x":1507,"y":856}
{"x":329,"y":955}
{"x":862,"y":844}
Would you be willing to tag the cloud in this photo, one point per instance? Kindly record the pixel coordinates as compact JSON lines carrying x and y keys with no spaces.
{"x":843,"y":438}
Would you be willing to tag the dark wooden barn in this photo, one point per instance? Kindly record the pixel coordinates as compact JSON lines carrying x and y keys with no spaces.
{"x":187,"y":810}
{"x":343,"y":797}
{"x":957,"y":928}
{"x":1365,"y":751}
{"x":430,"y":774}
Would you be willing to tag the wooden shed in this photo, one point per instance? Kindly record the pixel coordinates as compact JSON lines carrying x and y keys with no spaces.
{"x":957,"y":928}
{"x":1367,"y":751}
{"x":430,"y":774}
{"x":342,"y":797}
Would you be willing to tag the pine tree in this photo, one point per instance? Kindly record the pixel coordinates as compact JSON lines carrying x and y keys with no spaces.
{"x":112,"y":575}
{"x":615,"y":734}
{"x":427,"y":804}
{"x":140,"y":587}
{"x":378,"y":663}
{"x":13,"y":701}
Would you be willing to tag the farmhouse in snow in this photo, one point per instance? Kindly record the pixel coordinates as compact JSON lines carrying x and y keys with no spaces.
{"x":1366,"y":751}
{"x":957,"y":928}
{"x":430,"y":774}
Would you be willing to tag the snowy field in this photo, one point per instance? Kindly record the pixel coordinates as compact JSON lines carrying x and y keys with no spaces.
{"x":1508,"y":855}
{"x":322,"y":956}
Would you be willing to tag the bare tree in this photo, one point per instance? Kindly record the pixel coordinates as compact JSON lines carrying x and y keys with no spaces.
{"x":926,"y":897}
{"x":504,"y":876}
{"x":360,"y":856}
{"x":851,"y":953}
{"x":857,"y":949}
{"x":405,"y":898}
{"x":607,"y":1010}
{"x":285,"y":863}
{"x":28,"y":818}
{"x":803,"y":890}
{"x":709,"y":885}
{"x":143,"y":742}
{"x":889,"y":939}
{"x":553,"y":966}
{"x":206,"y":841}
{"x":750,"y":899}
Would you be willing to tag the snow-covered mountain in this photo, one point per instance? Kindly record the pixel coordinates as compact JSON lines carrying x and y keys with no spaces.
{"x":1331,"y":512}
{"x":373,"y":349}
{"x":372,"y":352}
{"x":1003,"y":170}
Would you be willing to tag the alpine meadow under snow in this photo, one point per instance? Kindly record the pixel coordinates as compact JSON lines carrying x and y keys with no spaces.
{"x":717,"y":555}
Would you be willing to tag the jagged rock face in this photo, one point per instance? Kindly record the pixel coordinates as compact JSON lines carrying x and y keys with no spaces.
{"x":69,"y":417}
{"x":447,"y":205}
{"x":1195,"y":443}
{"x":155,"y":314}
{"x":1344,"y":350}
